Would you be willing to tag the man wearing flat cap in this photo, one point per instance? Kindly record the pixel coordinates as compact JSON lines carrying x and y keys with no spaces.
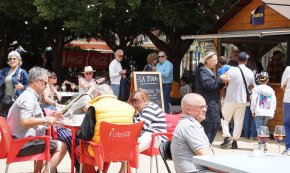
{"x":88,"y":81}
{"x":241,"y":78}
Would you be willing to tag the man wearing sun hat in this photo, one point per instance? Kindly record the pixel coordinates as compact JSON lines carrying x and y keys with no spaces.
{"x":236,"y":100}
{"x":88,"y":81}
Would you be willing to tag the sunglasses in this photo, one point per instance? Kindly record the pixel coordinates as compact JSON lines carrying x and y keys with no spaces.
{"x":134,"y":101}
{"x":120,"y":56}
{"x":53,"y":77}
{"x":89,"y":73}
{"x":161,"y":56}
{"x":10,"y":59}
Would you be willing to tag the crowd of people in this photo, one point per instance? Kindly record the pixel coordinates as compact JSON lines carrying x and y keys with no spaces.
{"x":203,"y":113}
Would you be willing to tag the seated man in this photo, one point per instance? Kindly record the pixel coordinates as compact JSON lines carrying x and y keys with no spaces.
{"x":25,"y":118}
{"x":103,"y":105}
{"x":189,"y":138}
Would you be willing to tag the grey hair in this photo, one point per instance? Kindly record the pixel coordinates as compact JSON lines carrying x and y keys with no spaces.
{"x":17,"y":55}
{"x":118,"y":52}
{"x":37,"y":73}
{"x":207,"y":56}
{"x":97,"y":90}
{"x":105,"y":89}
{"x":190,"y":99}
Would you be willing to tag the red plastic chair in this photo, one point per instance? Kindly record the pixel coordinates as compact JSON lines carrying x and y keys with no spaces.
{"x":10,"y":147}
{"x":171,"y":123}
{"x":118,"y":142}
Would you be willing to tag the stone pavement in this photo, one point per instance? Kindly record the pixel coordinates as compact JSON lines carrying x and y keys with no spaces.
{"x":245,"y":146}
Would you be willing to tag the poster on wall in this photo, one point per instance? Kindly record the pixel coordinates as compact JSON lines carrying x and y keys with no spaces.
{"x":257,"y":16}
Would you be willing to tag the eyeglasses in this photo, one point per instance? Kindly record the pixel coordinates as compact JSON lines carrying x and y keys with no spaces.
{"x":89,"y":73}
{"x":202,"y":107}
{"x":10,"y":59}
{"x":45,"y":83}
{"x":120,"y":56}
{"x":161,"y":56}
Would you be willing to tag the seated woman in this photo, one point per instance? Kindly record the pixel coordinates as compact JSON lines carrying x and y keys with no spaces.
{"x":153,"y":116}
{"x":101,"y":106}
{"x":50,"y":97}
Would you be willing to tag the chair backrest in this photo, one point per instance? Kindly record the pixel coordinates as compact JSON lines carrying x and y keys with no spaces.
{"x":120,"y":141}
{"x":172,"y":121}
{"x":5,"y":138}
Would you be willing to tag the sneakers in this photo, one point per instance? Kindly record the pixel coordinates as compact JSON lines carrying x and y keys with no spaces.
{"x":286,"y":152}
{"x":234,"y":145}
{"x":227,"y":142}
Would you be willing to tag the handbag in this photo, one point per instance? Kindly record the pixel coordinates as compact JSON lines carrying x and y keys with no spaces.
{"x":248,"y":93}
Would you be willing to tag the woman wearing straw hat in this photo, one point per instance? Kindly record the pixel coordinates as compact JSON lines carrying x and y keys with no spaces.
{"x":87,"y":82}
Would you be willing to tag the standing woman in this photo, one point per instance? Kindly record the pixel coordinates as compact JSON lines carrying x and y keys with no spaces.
{"x":152,"y":60}
{"x":285,"y":85}
{"x":13,"y":80}
{"x":208,"y":85}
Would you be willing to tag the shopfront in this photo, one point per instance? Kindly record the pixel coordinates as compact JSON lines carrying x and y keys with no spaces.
{"x":258,"y":25}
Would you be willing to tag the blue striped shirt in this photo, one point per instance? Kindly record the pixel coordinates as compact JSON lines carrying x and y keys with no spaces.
{"x":154,"y":118}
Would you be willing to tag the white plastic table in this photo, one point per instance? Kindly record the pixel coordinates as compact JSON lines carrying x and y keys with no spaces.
{"x":241,"y":163}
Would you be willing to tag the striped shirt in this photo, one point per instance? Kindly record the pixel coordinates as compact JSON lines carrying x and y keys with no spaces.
{"x":153,"y":117}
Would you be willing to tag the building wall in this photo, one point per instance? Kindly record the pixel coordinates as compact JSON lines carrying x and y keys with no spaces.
{"x":241,"y":21}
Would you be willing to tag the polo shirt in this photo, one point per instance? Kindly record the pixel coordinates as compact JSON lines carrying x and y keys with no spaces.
{"x":188,"y":136}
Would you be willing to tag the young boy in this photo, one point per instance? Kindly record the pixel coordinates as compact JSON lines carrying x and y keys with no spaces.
{"x":223,"y":66}
{"x":263,"y":101}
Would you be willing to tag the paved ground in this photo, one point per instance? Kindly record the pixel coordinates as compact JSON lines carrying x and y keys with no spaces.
{"x":245,"y":146}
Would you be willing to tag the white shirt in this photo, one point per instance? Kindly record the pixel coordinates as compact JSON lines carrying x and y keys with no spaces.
{"x":114,"y":69}
{"x":285,"y":81}
{"x":236,"y":91}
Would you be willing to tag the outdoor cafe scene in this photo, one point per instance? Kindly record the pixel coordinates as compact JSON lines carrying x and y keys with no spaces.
{"x":196,"y":87}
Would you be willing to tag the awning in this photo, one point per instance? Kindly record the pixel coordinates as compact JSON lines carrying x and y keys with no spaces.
{"x":237,"y":34}
{"x":281,"y":6}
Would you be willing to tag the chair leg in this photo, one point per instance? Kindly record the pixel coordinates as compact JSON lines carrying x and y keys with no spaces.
{"x":6,"y":170}
{"x":156,"y":164}
{"x":81,"y":168}
{"x":125,"y":167}
{"x":151,"y":164}
{"x":48,"y":166}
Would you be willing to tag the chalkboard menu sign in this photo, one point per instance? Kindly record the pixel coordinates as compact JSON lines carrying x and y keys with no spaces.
{"x":151,"y":82}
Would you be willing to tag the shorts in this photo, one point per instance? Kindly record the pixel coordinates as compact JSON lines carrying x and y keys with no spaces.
{"x":37,"y":148}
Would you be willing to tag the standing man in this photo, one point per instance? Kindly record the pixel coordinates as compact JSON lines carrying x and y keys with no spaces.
{"x":165,"y":67}
{"x":25,"y":118}
{"x":116,"y":72}
{"x":234,"y":57}
{"x":189,"y":138}
{"x":236,"y":100}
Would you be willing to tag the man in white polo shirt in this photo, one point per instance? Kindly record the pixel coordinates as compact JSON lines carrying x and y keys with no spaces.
{"x":116,"y":72}
{"x":236,"y":100}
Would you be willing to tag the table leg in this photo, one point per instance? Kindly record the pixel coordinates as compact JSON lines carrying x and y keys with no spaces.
{"x":73,"y":150}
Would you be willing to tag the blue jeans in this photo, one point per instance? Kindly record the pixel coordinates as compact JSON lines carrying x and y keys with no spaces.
{"x":116,"y":89}
{"x":249,"y":129}
{"x":166,"y":97}
{"x":286,"y":113}
{"x":261,"y":121}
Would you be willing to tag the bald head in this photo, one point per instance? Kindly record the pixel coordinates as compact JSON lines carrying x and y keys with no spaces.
{"x":194,"y":105}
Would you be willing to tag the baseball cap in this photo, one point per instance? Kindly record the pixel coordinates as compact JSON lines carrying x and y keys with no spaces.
{"x":263,"y":76}
{"x":243,"y":56}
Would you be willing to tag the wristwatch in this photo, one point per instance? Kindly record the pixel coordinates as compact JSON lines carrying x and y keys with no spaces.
{"x":45,"y":122}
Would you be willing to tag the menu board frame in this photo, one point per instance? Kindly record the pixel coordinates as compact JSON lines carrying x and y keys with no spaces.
{"x":149,"y":78}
